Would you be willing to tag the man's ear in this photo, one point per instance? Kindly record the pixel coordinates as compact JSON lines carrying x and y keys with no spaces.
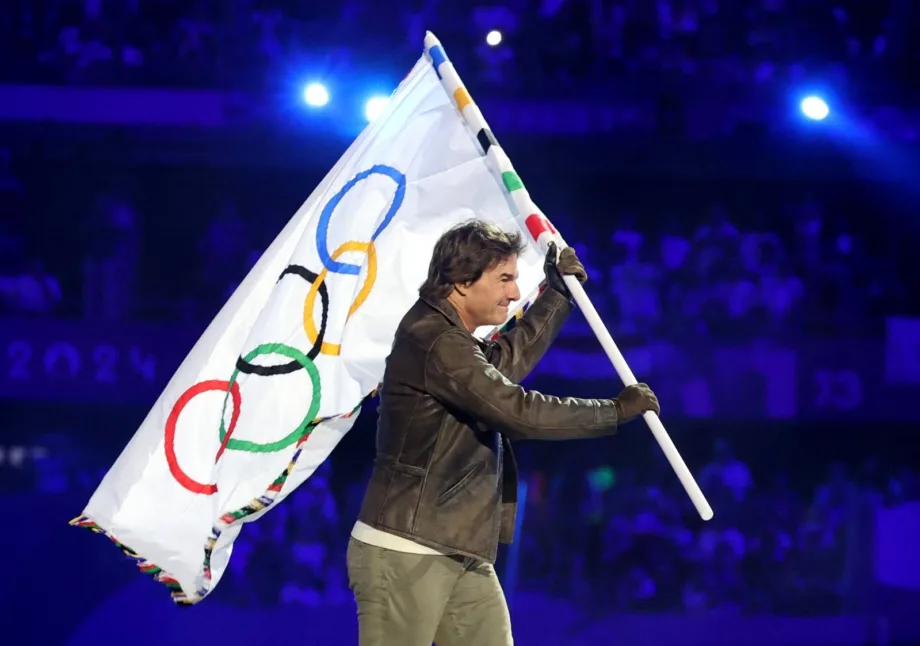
{"x":461,"y":288}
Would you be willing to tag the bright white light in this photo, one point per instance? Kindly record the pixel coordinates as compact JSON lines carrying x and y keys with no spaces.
{"x":316,"y":95}
{"x":815,"y":108}
{"x":375,"y":107}
{"x":494,"y":37}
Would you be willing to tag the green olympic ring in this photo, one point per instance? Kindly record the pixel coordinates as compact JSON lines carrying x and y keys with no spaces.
{"x":305,"y":426}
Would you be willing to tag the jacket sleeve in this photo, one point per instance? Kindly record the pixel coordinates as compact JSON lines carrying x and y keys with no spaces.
{"x":516,"y":352}
{"x":458,"y":375}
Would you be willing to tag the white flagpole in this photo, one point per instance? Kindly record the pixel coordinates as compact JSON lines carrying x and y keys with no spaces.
{"x":654,"y":422}
{"x":542,"y":232}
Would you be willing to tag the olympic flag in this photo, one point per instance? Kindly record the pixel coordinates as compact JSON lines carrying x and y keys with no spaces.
{"x":277,"y":378}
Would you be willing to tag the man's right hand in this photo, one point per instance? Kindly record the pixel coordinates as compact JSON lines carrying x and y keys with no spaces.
{"x":635,"y":400}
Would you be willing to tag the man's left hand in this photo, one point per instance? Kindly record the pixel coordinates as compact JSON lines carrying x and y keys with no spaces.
{"x":567,"y":265}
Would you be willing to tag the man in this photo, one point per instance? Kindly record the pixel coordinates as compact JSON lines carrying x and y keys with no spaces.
{"x":443,"y":491}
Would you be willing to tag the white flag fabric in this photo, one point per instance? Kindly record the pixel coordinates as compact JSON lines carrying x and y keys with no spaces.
{"x":274,"y":382}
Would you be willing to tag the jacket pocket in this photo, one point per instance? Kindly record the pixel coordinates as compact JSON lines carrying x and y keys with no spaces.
{"x":458,"y":486}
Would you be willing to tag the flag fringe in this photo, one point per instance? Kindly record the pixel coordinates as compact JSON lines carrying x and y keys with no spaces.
{"x":179,"y":597}
{"x":145,"y":566}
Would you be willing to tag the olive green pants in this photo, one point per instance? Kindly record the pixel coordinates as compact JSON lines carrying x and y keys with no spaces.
{"x":416,"y":599}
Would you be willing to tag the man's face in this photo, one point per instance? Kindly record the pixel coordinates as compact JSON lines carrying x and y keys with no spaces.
{"x":487,"y":300}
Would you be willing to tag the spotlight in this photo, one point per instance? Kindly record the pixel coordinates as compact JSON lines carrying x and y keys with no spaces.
{"x":375,"y":107}
{"x":815,"y":108}
{"x":316,"y":95}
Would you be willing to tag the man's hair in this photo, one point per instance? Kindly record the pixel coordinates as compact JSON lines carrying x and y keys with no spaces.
{"x":464,"y":252}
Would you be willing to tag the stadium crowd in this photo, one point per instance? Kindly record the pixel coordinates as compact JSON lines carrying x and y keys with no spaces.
{"x":776,"y":261}
{"x":784,"y":541}
{"x":250,"y":43}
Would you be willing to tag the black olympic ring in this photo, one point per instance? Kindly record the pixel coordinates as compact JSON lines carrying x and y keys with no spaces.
{"x":248,"y":368}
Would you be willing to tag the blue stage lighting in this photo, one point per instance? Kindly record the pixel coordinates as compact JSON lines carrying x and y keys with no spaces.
{"x":316,"y":95}
{"x":375,"y":107}
{"x":815,"y":108}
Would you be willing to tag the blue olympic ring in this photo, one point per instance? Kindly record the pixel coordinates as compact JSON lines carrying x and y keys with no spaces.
{"x":322,"y":229}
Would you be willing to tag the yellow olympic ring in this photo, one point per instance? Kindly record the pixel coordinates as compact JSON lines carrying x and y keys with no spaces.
{"x":308,"y":325}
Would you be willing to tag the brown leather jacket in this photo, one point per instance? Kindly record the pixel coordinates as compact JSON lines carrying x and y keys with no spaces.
{"x":445,"y":475}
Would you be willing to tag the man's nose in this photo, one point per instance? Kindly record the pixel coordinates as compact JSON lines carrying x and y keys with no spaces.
{"x":515,"y":294}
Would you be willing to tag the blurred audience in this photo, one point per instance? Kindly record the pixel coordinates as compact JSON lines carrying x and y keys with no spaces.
{"x":721,"y":270}
{"x":630,"y":542}
{"x":247,"y":42}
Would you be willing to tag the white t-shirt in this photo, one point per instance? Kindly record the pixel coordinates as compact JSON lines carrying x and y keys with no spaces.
{"x":378,"y":538}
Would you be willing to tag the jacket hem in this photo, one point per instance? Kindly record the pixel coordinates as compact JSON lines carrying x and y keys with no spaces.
{"x":434,"y":544}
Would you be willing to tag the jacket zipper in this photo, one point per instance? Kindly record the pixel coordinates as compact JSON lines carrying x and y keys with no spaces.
{"x":501,"y":503}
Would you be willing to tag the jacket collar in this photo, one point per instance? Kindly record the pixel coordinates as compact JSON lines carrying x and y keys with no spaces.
{"x":448,"y":311}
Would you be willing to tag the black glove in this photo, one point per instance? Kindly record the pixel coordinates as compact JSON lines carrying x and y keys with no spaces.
{"x":635,"y":400}
{"x":567,"y":265}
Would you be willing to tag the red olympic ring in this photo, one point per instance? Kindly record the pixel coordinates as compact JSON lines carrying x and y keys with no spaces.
{"x":170,"y":441}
